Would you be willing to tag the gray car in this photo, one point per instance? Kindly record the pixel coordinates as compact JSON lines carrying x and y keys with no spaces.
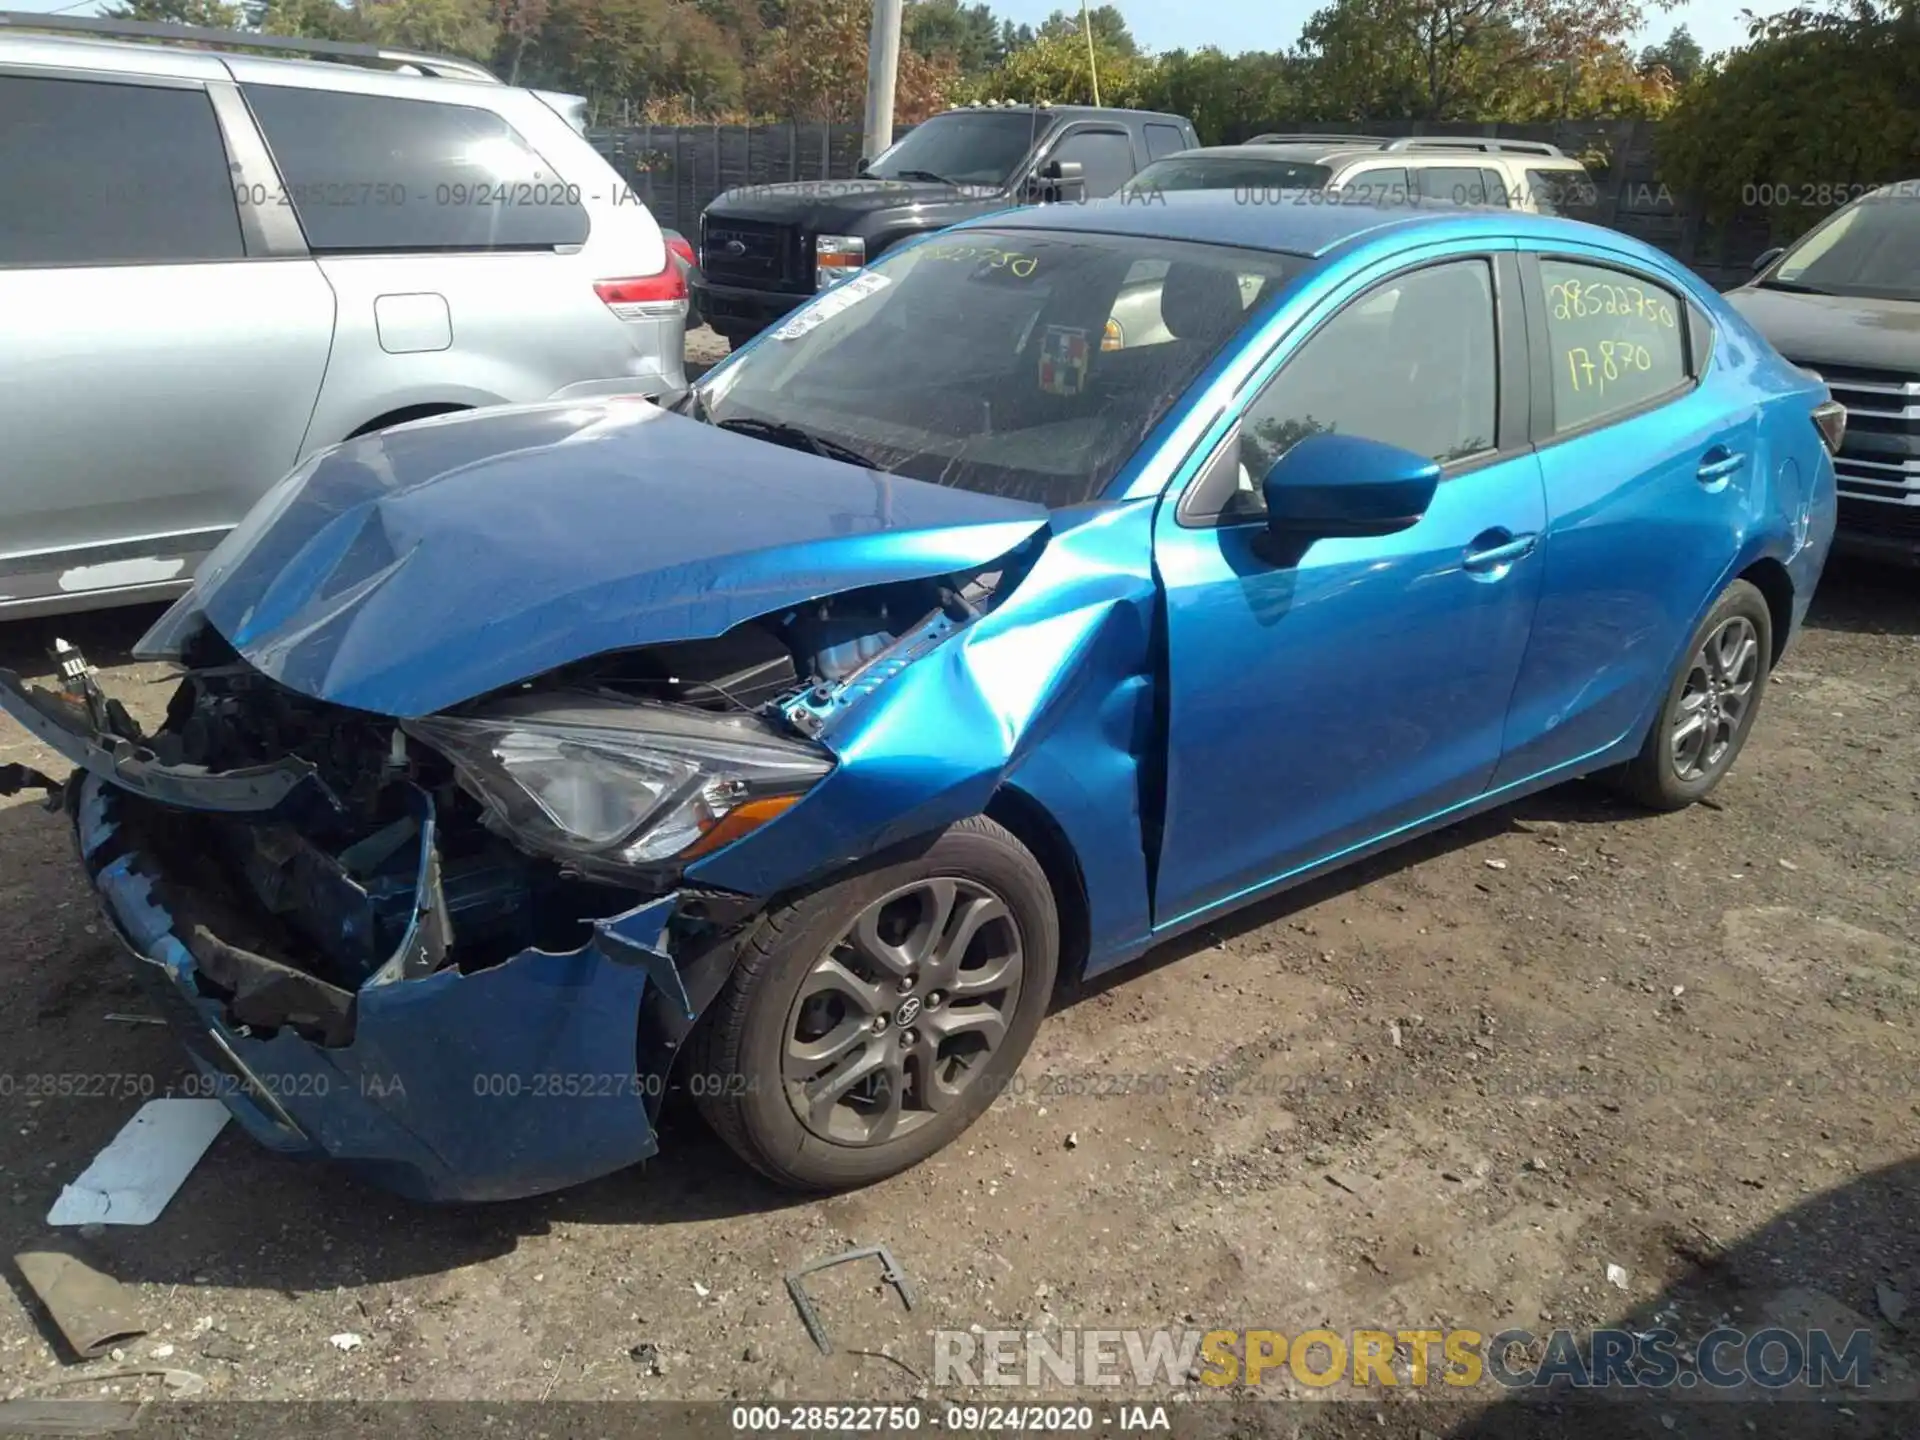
{"x":1844,"y":302}
{"x":214,"y":265}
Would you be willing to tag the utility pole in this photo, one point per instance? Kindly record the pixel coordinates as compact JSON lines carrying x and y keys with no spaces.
{"x":883,"y":66}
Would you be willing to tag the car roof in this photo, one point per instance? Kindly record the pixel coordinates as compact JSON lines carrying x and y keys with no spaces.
{"x":1298,"y":153}
{"x":1215,"y":217}
{"x":23,"y":44}
{"x":1070,"y":111}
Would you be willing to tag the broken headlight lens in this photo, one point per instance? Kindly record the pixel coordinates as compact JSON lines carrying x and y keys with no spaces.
{"x":609,"y":784}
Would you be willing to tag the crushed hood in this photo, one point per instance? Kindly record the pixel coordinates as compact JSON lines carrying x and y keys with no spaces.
{"x":412,"y":570}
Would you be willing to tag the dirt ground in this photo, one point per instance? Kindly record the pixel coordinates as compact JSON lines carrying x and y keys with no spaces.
{"x":1449,"y":1087}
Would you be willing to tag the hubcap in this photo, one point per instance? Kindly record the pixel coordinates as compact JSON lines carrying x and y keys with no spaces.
{"x":903,"y":1012}
{"x":1715,"y":699}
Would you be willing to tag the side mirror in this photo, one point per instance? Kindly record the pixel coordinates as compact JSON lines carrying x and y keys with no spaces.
{"x":1330,"y":486}
{"x":1060,"y":180}
{"x":1767,"y":257}
{"x":866,"y":164}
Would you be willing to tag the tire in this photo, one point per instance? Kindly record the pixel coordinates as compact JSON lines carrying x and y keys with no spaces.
{"x":784,"y":996}
{"x":1671,"y":775}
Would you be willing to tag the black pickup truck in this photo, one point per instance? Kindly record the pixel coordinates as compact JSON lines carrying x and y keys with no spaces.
{"x":765,"y":249}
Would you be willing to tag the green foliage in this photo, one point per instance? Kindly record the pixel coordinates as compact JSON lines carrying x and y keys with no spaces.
{"x":1109,"y":28}
{"x":209,"y":13}
{"x":968,"y":35}
{"x":1679,"y":55}
{"x":1228,"y":97}
{"x":1823,"y":103}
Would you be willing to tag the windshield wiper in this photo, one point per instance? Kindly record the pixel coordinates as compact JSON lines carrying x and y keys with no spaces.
{"x":794,"y":438}
{"x":1794,"y":287}
{"x":924,"y":175}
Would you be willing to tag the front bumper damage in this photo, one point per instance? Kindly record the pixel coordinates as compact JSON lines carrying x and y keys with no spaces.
{"x":531,"y":1074}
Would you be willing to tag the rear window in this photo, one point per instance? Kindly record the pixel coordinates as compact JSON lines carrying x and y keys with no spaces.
{"x":374,"y":173}
{"x":1165,"y":140}
{"x":1564,"y":192}
{"x":100,"y":174}
{"x":1246,"y":174}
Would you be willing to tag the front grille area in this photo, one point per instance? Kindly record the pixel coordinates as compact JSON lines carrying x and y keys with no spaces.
{"x":1878,"y":466}
{"x":753,"y":254}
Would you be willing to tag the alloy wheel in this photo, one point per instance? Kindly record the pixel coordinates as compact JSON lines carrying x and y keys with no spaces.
{"x":901,"y":1015}
{"x":1715,"y":699}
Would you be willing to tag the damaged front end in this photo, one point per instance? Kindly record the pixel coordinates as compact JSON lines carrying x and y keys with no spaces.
{"x":460,"y":953}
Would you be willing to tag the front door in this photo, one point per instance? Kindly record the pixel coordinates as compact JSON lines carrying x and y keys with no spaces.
{"x":1320,"y":704}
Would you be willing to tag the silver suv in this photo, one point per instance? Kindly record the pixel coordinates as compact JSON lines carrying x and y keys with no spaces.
{"x":213,"y":265}
{"x":1372,"y":169}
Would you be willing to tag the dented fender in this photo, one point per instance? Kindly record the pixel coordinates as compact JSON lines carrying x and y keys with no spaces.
{"x":1050,"y":693}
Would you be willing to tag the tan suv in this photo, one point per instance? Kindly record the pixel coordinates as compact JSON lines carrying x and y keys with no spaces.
{"x":1373,"y":169}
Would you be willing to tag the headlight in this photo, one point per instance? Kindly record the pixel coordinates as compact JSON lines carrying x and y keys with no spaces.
{"x":606,"y":784}
{"x":836,"y":258}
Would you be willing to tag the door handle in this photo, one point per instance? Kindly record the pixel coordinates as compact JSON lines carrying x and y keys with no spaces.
{"x":1719,"y":464}
{"x":1495,"y":556}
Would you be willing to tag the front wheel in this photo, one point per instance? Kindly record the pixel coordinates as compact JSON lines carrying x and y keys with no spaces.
{"x":870,"y":1022}
{"x":1710,"y":704}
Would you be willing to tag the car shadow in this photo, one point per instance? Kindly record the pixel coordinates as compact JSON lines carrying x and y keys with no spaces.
{"x":1577,"y":802}
{"x":105,"y":637}
{"x":1843,"y":1261}
{"x":1861,"y":598}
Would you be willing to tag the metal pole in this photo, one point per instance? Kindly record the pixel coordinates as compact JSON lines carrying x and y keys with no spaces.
{"x":883,"y":65}
{"x":1093,"y":61}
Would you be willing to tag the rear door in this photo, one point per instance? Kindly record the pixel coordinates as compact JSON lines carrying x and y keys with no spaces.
{"x":1650,"y":470}
{"x":157,"y":369}
{"x":455,"y":248}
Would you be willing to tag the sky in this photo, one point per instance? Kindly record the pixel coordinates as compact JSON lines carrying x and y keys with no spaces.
{"x":1275,"y":24}
{"x":1236,"y":25}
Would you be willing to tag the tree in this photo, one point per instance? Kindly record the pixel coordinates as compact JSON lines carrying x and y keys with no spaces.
{"x":1455,"y":59}
{"x":1109,"y":28}
{"x":310,"y":19}
{"x":1228,"y":97}
{"x":966,"y":34}
{"x":1679,"y":55}
{"x":1773,"y":124}
{"x":815,"y":67}
{"x":1056,"y":69}
{"x":209,"y":13}
{"x":443,"y":27}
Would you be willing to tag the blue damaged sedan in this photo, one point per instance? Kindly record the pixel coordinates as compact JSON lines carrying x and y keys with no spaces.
{"x":1059,"y":583}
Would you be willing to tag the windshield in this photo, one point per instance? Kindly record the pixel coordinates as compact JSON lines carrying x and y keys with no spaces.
{"x":1871,"y":249}
{"x":969,"y":149}
{"x":1028,"y":364}
{"x":1228,"y":172}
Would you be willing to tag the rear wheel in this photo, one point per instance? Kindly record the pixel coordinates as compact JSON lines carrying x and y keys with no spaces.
{"x":869,"y":1023}
{"x":1710,"y":706}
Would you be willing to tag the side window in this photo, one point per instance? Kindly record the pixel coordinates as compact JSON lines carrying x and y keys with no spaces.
{"x":1453,"y":183}
{"x":1495,"y":187}
{"x":1164,"y":140}
{"x":1616,"y":341}
{"x":98,"y":174}
{"x":1411,"y":363}
{"x":1378,"y":187}
{"x":1105,"y":158}
{"x":1564,"y":192}
{"x":368,"y":172}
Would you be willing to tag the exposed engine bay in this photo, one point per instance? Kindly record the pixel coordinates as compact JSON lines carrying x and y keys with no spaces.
{"x":394,"y":856}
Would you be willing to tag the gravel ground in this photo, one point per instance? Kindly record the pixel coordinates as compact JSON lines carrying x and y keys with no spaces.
{"x":1451,"y":1086}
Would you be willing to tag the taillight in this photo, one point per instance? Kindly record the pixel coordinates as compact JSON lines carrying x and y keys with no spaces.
{"x":645,"y":297}
{"x":680,"y":246}
{"x":1830,"y":417}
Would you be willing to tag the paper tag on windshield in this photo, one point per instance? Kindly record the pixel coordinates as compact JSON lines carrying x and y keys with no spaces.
{"x":842,"y":297}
